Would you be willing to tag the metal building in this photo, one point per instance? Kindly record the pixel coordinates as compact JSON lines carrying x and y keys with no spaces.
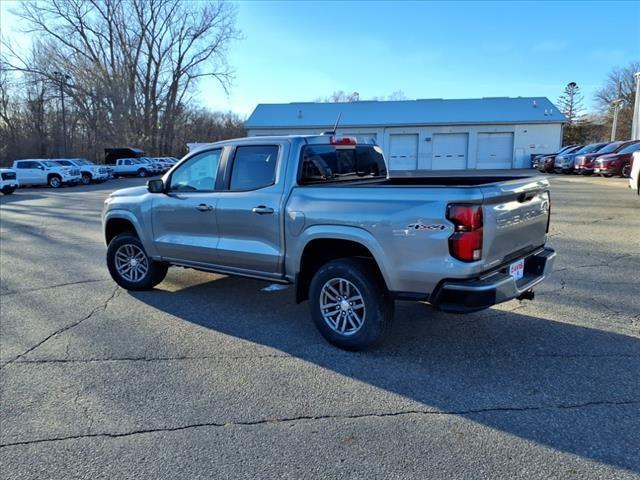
{"x":431,"y":134}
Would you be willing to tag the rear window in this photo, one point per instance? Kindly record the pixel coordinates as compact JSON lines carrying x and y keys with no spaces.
{"x":330,"y":163}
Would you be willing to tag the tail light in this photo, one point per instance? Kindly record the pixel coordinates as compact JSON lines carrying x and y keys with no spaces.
{"x":465,"y":243}
{"x":334,"y":140}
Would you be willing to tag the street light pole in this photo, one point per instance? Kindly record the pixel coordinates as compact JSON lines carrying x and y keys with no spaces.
{"x":617,"y":105}
{"x":635,"y":129}
{"x":62,"y":78}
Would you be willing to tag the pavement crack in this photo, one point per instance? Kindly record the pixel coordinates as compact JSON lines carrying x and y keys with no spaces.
{"x":100,"y":308}
{"x":49,"y":287}
{"x":302,"y":418}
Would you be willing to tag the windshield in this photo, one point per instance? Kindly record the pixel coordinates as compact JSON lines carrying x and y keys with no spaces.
{"x":634,"y":147}
{"x":66,"y":163}
{"x":51,"y":163}
{"x":612,"y":147}
{"x":328,"y":163}
{"x":591,"y":148}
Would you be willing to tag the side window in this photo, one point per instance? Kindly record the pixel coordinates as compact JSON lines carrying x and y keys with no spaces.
{"x":127,"y":162}
{"x":254,"y":167}
{"x":22,"y":165}
{"x":198,"y":174}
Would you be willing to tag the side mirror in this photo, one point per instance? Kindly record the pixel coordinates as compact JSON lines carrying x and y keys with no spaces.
{"x":155,"y":186}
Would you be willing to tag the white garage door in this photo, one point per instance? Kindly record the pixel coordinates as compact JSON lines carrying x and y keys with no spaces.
{"x":495,"y":150}
{"x":450,"y":151}
{"x":403,"y":152}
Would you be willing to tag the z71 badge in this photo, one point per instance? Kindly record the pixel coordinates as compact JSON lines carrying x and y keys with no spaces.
{"x":422,"y":226}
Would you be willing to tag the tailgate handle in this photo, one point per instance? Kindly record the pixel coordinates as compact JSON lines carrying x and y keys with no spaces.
{"x":525,"y":197}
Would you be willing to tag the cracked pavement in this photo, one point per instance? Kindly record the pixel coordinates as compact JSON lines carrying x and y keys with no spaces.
{"x":209,"y":377}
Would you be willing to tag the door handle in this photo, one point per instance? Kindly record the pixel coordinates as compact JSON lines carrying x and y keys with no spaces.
{"x":262,"y":210}
{"x":203,"y":207}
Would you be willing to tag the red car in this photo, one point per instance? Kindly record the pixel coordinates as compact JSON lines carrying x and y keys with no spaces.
{"x":585,"y":164}
{"x":617,"y":163}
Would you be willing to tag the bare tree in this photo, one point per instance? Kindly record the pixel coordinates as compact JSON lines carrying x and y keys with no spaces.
{"x":619,"y":85}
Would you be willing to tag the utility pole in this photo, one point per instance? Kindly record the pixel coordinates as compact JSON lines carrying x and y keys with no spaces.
{"x":617,"y":105}
{"x":635,"y":129}
{"x":62,"y":80}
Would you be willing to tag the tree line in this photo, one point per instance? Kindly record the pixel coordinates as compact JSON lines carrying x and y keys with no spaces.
{"x":108,"y":73}
{"x":614,"y":99}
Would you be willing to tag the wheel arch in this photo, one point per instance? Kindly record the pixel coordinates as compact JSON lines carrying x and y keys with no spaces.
{"x":321,"y":244}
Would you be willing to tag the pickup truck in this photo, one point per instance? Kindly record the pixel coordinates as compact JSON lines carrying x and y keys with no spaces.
{"x":45,"y":172}
{"x":8,"y":181}
{"x":132,"y":167}
{"x":89,"y":171}
{"x":321,"y":213}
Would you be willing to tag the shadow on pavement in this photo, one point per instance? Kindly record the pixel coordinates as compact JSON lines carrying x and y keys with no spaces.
{"x":541,"y":380}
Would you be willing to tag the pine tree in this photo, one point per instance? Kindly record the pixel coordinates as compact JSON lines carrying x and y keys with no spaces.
{"x":570,"y":103}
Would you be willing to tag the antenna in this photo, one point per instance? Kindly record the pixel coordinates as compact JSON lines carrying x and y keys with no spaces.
{"x":335,"y":127}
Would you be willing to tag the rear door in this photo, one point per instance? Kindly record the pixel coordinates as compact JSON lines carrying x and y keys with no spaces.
{"x":29,"y":172}
{"x":184,"y":218}
{"x":516,"y":215}
{"x":250,"y":210}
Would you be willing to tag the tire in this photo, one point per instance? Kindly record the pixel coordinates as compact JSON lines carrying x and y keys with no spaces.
{"x":8,"y":190}
{"x":626,"y":171}
{"x":142,"y":173}
{"x":129,"y":245}
{"x":55,"y":181}
{"x":362,"y":280}
{"x":86,"y":179}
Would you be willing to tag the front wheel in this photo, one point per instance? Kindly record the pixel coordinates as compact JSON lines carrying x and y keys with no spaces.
{"x":350,"y":304}
{"x":86,"y":179}
{"x":55,"y":181}
{"x":142,"y":173}
{"x":130,"y":266}
{"x":626,"y":171}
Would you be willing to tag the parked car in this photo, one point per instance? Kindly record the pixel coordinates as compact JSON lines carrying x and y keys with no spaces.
{"x":546,"y":163}
{"x":616,"y":163}
{"x":634,"y":172}
{"x":565,"y":163}
{"x":585,"y":163}
{"x":45,"y":172}
{"x":89,"y":172}
{"x":8,"y":181}
{"x":535,"y":162}
{"x":132,"y":167}
{"x":154,"y":167}
{"x":321,"y":212}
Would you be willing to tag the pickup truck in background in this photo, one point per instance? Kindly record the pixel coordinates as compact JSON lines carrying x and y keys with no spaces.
{"x":8,"y":181}
{"x":320,"y":212}
{"x":45,"y":172}
{"x":89,"y":172}
{"x":133,"y":167}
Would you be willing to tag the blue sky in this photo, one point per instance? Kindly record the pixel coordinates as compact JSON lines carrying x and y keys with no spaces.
{"x":301,"y":51}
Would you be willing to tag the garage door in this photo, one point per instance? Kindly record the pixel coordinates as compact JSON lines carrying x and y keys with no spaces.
{"x":495,"y":150}
{"x":403,"y":152}
{"x":450,"y":151}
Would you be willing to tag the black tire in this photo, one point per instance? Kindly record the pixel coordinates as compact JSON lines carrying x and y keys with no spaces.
{"x":378,"y":304}
{"x":8,"y":190}
{"x":626,"y":171}
{"x":143,"y":173}
{"x":86,"y":179}
{"x":155,"y":273}
{"x":54,"y":181}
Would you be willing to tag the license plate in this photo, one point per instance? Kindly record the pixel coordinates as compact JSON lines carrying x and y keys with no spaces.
{"x":516,"y":270}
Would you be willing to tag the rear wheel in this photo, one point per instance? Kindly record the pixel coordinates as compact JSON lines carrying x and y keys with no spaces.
{"x":350,"y":304}
{"x":55,"y":181}
{"x":142,"y":173}
{"x":8,"y":190}
{"x":86,"y":179}
{"x":130,"y":266}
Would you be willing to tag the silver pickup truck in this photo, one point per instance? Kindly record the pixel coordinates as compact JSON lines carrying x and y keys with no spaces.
{"x":320,"y":212}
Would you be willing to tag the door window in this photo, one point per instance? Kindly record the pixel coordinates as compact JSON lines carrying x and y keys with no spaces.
{"x":254,"y":167}
{"x":198,"y":174}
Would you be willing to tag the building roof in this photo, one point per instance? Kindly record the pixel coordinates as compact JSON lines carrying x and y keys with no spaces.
{"x":406,"y":112}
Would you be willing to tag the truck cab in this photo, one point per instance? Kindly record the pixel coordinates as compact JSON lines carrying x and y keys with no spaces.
{"x":45,"y":172}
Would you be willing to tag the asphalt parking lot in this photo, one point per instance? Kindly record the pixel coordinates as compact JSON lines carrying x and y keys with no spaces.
{"x":210,"y":377}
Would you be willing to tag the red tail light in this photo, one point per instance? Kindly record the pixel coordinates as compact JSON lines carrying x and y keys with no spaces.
{"x":333,"y":140}
{"x":466,"y":242}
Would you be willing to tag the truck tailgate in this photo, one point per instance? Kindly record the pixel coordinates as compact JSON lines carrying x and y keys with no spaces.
{"x":516,"y":217}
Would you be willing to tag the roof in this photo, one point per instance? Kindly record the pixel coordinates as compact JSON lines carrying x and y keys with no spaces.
{"x":407,"y":112}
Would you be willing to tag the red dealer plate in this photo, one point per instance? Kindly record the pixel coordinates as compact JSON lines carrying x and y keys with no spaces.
{"x":516,"y":269}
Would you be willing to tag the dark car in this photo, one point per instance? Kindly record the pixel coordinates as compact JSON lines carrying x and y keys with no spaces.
{"x":546,"y":163}
{"x":585,"y":164}
{"x":617,"y":163}
{"x":564,"y":163}
{"x":535,"y":162}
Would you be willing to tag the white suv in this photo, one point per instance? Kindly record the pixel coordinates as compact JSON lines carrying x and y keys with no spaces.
{"x":8,"y":181}
{"x":45,"y":172}
{"x":90,"y":172}
{"x":634,"y":177}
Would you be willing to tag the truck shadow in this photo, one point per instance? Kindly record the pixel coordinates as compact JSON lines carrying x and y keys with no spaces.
{"x":570,"y":388}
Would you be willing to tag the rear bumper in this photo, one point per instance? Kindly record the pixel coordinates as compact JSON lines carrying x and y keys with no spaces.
{"x":464,"y":296}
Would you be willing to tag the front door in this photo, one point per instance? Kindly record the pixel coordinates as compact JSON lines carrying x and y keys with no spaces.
{"x":249,"y":211}
{"x":184,"y":218}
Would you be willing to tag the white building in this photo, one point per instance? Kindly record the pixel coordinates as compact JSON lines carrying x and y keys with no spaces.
{"x":433,"y":134}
